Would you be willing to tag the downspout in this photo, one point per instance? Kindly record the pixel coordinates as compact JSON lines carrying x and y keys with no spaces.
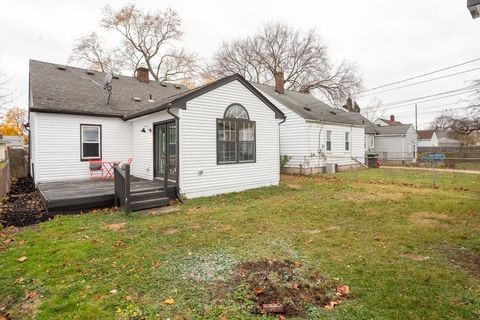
{"x":280,"y":141}
{"x":177,"y":133}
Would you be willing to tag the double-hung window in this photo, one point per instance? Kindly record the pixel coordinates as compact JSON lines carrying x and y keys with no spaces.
{"x":235,"y":136}
{"x":347,"y":141}
{"x":90,"y":141}
{"x":329,"y":140}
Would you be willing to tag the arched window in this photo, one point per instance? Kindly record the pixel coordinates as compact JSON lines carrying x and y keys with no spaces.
{"x":236,"y":111}
{"x":235,"y":136}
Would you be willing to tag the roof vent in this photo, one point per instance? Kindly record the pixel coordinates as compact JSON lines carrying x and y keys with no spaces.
{"x":151,"y":99}
{"x":178,"y":87}
{"x":116,"y":77}
{"x":333,"y":112}
{"x":163,"y":84}
{"x":136,"y":99}
{"x":61,"y":68}
{"x":90,"y":72}
{"x":307,"y":108}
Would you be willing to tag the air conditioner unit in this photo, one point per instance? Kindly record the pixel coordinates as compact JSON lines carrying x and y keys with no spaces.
{"x":331,"y":167}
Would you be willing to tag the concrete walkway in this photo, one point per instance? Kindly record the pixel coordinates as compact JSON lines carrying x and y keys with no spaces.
{"x":430,"y":169}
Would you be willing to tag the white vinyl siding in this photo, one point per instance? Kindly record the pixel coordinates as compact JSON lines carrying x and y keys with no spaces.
{"x":200,"y":175}
{"x":293,"y":133}
{"x":397,"y":147}
{"x":142,"y":143}
{"x":56,"y":145}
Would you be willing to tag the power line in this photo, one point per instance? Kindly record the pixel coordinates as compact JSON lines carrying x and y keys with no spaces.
{"x":420,"y":76}
{"x":457,"y":91}
{"x":420,"y":82}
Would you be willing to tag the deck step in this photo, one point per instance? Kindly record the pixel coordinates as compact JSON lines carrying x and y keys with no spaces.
{"x":150,"y":203}
{"x":147,"y":189}
{"x":147,"y":195}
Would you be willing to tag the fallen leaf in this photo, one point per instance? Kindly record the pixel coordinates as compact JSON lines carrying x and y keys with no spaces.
{"x":332,"y":304}
{"x":8,"y":241}
{"x":156,"y":265}
{"x":273,"y":308}
{"x":169,"y":301}
{"x":282,"y":317}
{"x":22,"y":259}
{"x":20,"y":280}
{"x":309,"y":241}
{"x":117,"y":226}
{"x":30,"y":295}
{"x":296,"y":285}
{"x":113,"y":291}
{"x":344,"y":290}
{"x":128,"y":298}
{"x":258,"y":291}
{"x":223,"y":317}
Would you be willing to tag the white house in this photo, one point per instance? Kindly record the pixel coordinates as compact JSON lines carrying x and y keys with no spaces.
{"x":218,"y":138}
{"x":396,"y":143}
{"x":314,"y":134}
{"x":427,"y":138}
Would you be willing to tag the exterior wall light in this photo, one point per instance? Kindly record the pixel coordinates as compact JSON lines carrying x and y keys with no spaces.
{"x":145,"y":129}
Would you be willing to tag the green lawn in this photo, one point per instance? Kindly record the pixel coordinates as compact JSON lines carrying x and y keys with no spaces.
{"x":406,"y":250}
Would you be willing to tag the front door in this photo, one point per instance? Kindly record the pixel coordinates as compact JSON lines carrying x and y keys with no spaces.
{"x":165,"y":151}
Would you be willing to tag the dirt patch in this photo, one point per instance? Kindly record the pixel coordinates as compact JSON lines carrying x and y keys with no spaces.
{"x":22,"y":206}
{"x":283,"y":287}
{"x":373,"y":196}
{"x":429,"y":219}
{"x":171,"y":231}
{"x":467,"y":260}
{"x":117,"y":226}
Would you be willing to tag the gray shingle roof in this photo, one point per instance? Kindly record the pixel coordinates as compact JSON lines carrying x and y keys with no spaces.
{"x":397,"y":129}
{"x":72,"y":90}
{"x":310,"y":108}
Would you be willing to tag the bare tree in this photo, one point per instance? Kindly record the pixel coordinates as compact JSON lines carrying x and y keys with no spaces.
{"x":373,"y":110}
{"x":301,"y":56}
{"x":151,"y":38}
{"x":90,"y":51}
{"x":464,"y":124}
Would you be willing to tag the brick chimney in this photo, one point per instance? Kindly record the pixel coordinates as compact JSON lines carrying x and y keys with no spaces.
{"x":279,"y":82}
{"x":142,"y":74}
{"x":392,"y":118}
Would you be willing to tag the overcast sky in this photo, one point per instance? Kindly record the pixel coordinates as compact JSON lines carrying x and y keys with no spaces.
{"x":389,"y":40}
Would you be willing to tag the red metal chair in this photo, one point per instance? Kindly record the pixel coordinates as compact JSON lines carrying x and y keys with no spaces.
{"x":96,"y":166}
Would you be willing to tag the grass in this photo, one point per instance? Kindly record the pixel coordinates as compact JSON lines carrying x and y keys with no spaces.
{"x":406,"y":250}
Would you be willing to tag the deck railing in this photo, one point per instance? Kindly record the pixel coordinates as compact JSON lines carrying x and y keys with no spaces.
{"x":122,"y":187}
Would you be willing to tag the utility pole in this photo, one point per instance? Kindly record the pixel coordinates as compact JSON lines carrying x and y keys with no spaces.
{"x":416,"y":117}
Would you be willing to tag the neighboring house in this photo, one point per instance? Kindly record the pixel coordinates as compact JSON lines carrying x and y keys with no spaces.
{"x":314,"y":134}
{"x":427,"y":138}
{"x":387,"y":122}
{"x":396,"y":143}
{"x":9,"y":141}
{"x":448,"y":142}
{"x":218,"y":138}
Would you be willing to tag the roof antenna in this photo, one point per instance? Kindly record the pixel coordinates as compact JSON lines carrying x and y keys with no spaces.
{"x":107,"y":85}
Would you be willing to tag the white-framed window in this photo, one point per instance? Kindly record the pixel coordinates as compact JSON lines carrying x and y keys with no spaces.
{"x":90,"y":141}
{"x":328,"y":139}
{"x":347,"y":141}
{"x":236,"y":136}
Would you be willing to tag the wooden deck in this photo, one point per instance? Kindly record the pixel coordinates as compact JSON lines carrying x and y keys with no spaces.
{"x":75,"y":196}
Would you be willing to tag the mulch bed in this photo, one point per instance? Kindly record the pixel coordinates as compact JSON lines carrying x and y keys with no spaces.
{"x":284,"y":288}
{"x":22,"y":206}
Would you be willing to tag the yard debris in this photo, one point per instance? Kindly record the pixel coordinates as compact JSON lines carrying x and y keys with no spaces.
{"x":113,"y":291}
{"x":30,"y":294}
{"x":21,"y":280}
{"x":22,"y":259}
{"x":273,"y":308}
{"x":169,"y":301}
{"x":286,"y":288}
{"x":117,"y":226}
{"x":22,"y":206}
